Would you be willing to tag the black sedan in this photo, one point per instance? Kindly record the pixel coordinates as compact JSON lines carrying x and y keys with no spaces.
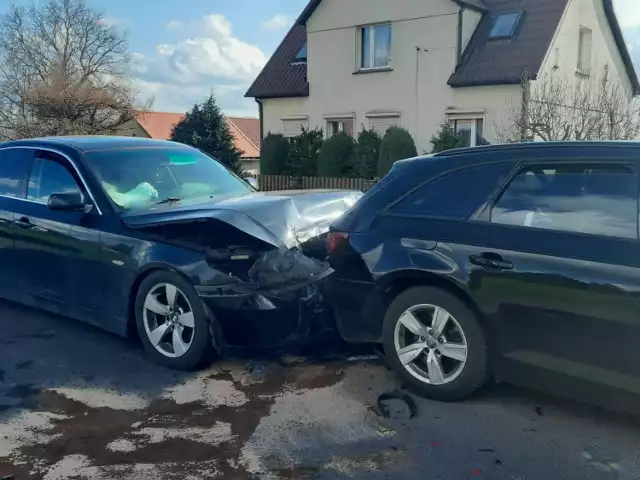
{"x":159,"y":239}
{"x":514,"y":262}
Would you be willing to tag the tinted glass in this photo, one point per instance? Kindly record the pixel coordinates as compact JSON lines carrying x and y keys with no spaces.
{"x":47,"y":177}
{"x":456,"y":195}
{"x":382,"y":46}
{"x":505,"y":25}
{"x":138,"y":178}
{"x":365,"y":47}
{"x":302,"y":54}
{"x":14,"y":164}
{"x":600,"y":200}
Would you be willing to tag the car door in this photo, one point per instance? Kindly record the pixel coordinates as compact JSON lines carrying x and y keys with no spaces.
{"x":14,"y":166}
{"x":58,"y":251}
{"x":555,"y":263}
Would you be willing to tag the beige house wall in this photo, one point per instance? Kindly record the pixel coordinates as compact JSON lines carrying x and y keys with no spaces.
{"x":416,"y":87}
{"x":132,"y":129}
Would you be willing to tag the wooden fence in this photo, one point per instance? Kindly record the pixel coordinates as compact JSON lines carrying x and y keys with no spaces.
{"x":269,"y":183}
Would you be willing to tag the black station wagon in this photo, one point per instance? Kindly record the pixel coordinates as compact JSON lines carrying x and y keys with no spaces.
{"x":159,"y":239}
{"x":518,"y":262}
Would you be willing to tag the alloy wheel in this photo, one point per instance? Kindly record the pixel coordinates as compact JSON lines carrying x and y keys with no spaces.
{"x":168,"y":320}
{"x":430,"y":344}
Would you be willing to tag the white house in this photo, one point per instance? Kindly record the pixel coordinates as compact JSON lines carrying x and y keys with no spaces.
{"x":352,"y":64}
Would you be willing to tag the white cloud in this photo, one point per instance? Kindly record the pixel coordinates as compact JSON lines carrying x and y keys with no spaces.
{"x":278,"y":22}
{"x":183,"y":73}
{"x":174,"y":24}
{"x":112,"y":21}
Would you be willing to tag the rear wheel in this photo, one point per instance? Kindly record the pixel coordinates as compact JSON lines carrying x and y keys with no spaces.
{"x":172,"y":322}
{"x":435,"y":343}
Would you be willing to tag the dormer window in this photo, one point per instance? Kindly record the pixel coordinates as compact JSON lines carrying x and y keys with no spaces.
{"x":302,"y":54}
{"x":505,"y":25}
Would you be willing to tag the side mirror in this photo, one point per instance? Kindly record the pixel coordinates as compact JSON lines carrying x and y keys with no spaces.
{"x":66,"y":201}
{"x":253,"y":182}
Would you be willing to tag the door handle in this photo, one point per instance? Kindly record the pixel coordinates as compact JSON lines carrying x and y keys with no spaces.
{"x":492,"y":262}
{"x":24,"y":222}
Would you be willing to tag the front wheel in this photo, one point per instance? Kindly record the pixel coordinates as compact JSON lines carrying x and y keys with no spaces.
{"x":435,"y":343}
{"x":172,"y":322}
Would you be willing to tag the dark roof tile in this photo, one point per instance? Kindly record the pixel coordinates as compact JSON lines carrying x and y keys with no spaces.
{"x":475,"y":4}
{"x":486,"y":61}
{"x":281,"y":76}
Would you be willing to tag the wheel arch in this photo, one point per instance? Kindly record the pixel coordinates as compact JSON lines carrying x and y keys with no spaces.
{"x":140,"y":276}
{"x":397,"y":282}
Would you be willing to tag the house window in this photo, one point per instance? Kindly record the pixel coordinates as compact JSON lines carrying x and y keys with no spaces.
{"x":471,"y":130}
{"x":292,"y":127}
{"x":584,"y":50}
{"x":302,"y":54}
{"x":380,"y":124}
{"x":505,"y":25}
{"x":375,"y":46}
{"x":340,"y":125}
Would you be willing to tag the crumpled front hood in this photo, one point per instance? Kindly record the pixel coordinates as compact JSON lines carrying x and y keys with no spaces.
{"x":283,"y":219}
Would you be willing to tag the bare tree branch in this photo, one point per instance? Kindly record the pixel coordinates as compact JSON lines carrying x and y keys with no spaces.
{"x":555,"y":108}
{"x":62,"y":71}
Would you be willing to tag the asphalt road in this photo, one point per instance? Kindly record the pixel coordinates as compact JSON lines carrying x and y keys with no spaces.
{"x":79,"y":403}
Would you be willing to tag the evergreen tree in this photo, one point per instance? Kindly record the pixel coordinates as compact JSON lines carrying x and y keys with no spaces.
{"x":274,"y":154}
{"x":397,"y":144}
{"x":337,"y":156}
{"x":304,"y":152}
{"x":446,"y":139}
{"x":205,"y":128}
{"x":367,"y":153}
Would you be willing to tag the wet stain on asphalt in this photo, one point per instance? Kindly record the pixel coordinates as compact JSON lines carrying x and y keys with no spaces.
{"x":21,"y":391}
{"x":2,"y":375}
{"x":85,"y":430}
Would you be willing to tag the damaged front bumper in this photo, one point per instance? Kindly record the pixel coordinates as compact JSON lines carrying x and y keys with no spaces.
{"x":270,"y":317}
{"x":266,"y":261}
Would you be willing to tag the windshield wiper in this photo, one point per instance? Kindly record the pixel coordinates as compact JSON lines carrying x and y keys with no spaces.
{"x":168,"y":200}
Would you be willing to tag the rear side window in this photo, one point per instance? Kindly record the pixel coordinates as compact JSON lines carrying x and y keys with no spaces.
{"x":14,"y":164}
{"x":48,"y":176}
{"x":456,"y":195}
{"x":596,"y":199}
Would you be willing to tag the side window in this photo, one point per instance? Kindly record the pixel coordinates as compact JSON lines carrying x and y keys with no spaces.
{"x":456,"y":195}
{"x":596,"y":199}
{"x":49,"y":176}
{"x":14,"y":164}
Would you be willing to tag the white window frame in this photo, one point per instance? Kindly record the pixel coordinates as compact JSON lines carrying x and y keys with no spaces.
{"x":584,"y":50}
{"x":473,"y":141}
{"x":372,"y":47}
{"x":341,"y":118}
{"x":340,"y":122}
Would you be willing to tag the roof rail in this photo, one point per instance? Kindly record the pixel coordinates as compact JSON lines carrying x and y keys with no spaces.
{"x":537,"y":145}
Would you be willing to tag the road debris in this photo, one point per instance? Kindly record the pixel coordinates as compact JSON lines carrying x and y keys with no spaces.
{"x":397,"y":405}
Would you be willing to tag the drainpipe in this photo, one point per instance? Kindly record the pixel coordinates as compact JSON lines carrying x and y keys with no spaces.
{"x":259,"y":102}
{"x":459,"y":42}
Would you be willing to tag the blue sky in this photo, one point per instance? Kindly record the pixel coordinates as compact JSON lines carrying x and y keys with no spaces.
{"x":210,"y":44}
{"x":184,"y":49}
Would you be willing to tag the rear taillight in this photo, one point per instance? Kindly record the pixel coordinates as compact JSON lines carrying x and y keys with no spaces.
{"x":335,"y":239}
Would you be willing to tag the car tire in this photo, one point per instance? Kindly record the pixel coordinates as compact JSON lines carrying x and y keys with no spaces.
{"x":187,"y":337}
{"x":465,"y":377}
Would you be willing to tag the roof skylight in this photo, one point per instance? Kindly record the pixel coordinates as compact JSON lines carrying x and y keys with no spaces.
{"x":505,"y":25}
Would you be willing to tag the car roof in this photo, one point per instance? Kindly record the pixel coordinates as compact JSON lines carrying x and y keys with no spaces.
{"x":538,"y":146}
{"x":93,"y":142}
{"x":541,"y":151}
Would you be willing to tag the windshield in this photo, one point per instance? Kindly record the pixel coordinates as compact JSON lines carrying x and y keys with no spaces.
{"x":139,"y":178}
